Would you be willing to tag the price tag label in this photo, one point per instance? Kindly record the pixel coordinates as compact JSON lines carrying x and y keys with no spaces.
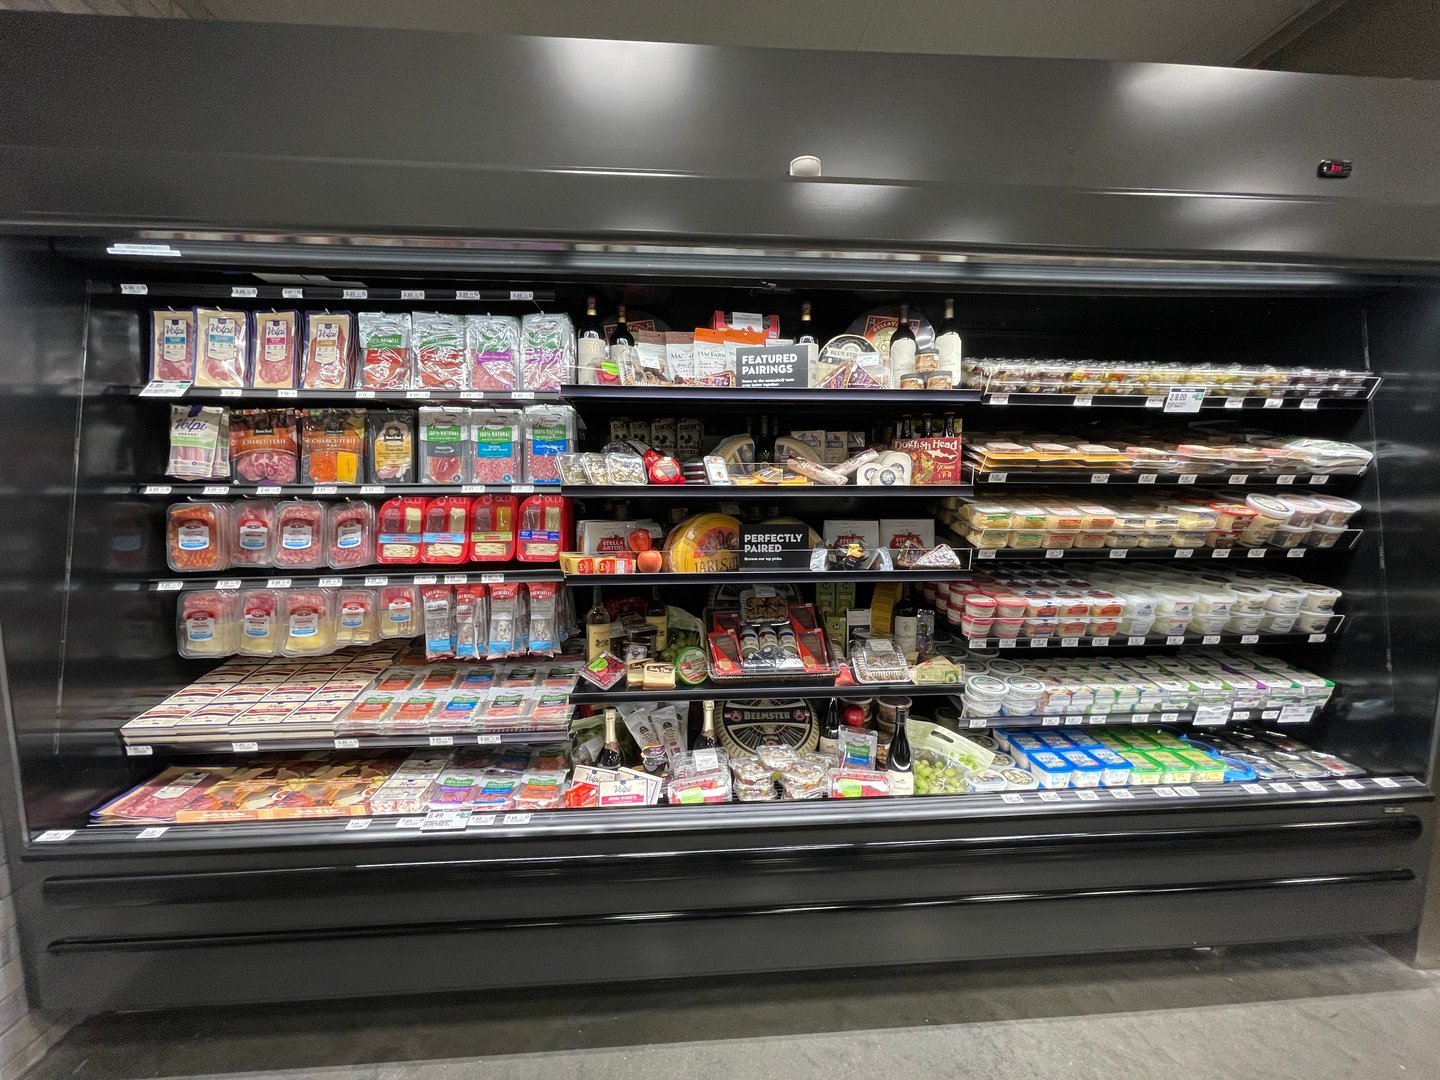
{"x":244,"y":747}
{"x":472,"y":489}
{"x":1087,"y":795}
{"x":1234,"y":403}
{"x":1269,"y":714}
{"x":1049,"y":796}
{"x":347,"y":744}
{"x":1098,"y":718}
{"x":482,"y":819}
{"x":355,"y":294}
{"x":1175,"y":639}
{"x":997,"y":478}
{"x":128,"y":289}
{"x":1285,"y":480}
{"x":372,"y":489}
{"x":1313,"y":785}
{"x":1055,"y":553}
{"x":442,"y":740}
{"x":242,"y":292}
{"x":985,"y":553}
{"x":1006,"y":643}
{"x":216,"y":489}
{"x":412,"y":294}
{"x":417,"y":395}
{"x":1050,"y":721}
{"x":1099,"y":642}
{"x":323,"y":489}
{"x":976,"y":722}
{"x":1315,"y":639}
{"x":1154,"y":401}
{"x":979,"y":643}
{"x":1253,"y":789}
{"x":487,"y":740}
{"x":1169,"y":718}
{"x":54,"y":836}
{"x":152,"y":833}
{"x":227,"y":584}
{"x":1039,"y":642}
{"x":1272,"y":403}
{"x":1351,"y":785}
{"x":522,"y":294}
{"x":1083,"y":401}
{"x":268,"y":489}
{"x":999,"y":399}
{"x":1074,"y":721}
{"x":1211,"y":715}
{"x":472,"y":395}
{"x":1240,"y":714}
{"x":1295,"y":553}
{"x":1184,"y":553}
{"x":230,"y":391}
{"x":157,"y":489}
{"x":331,"y":582}
{"x":1308,"y":404}
{"x":445,"y":821}
{"x":1135,"y":639}
{"x":1186,"y":479}
{"x":425,"y":579}
{"x":523,"y":489}
{"x":364,"y":395}
{"x":1283,"y":789}
{"x":164,"y":388}
{"x":287,"y":393}
{"x":1255,"y":553}
{"x":1319,"y":481}
{"x":358,"y":825}
{"x":516,"y":819}
{"x":1238,"y":479}
{"x":1386,"y":782}
{"x":1210,"y":639}
{"x":1165,"y":792}
{"x":410,"y":823}
{"x":1121,"y":793}
{"x":457,"y":579}
{"x":168,"y":586}
{"x":1011,"y":797}
{"x":1249,"y":639}
{"x":523,"y":395}
{"x":377,"y":579}
{"x":1100,"y":478}
{"x":467,"y":294}
{"x":1119,"y":553}
{"x":291,"y":293}
{"x":278,"y":583}
{"x":1186,"y":792}
{"x":1181,"y":400}
{"x":1220,"y":553}
{"x":139,"y":751}
{"x":1070,"y":642}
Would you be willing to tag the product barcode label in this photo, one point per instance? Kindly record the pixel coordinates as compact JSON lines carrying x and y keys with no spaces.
{"x":291,"y":293}
{"x":516,"y":819}
{"x":1255,"y":553}
{"x":377,"y":579}
{"x":1351,"y":785}
{"x":1295,"y":553}
{"x":372,"y":489}
{"x":244,"y":747}
{"x":54,"y":836}
{"x":1284,"y":481}
{"x":216,"y":489}
{"x":999,"y":399}
{"x":522,"y":294}
{"x":355,"y":294}
{"x":152,"y":833}
{"x":410,"y":823}
{"x":472,"y":395}
{"x":240,"y":292}
{"x":278,"y":583}
{"x":358,"y":825}
{"x":331,"y":582}
{"x":457,"y":579}
{"x":1187,"y":478}
{"x":347,"y":744}
{"x":412,"y":294}
{"x":417,"y":395}
{"x":127,"y":289}
{"x":226,"y":584}
{"x":1220,"y":553}
{"x":487,"y":740}
{"x":230,"y":391}
{"x":1074,"y":721}
{"x":1098,"y":718}
{"x":482,"y":819}
{"x":1135,"y":640}
{"x":1272,"y":403}
{"x":323,"y":489}
{"x":1240,"y":714}
{"x":442,"y":740}
{"x":1099,"y":478}
{"x":168,"y":586}
{"x":139,"y":751}
{"x":268,"y":489}
{"x":1310,"y":403}
{"x":425,"y":579}
{"x":1147,"y":478}
{"x":467,"y":294}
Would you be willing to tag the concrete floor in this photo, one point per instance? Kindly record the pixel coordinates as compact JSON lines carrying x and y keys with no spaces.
{"x":1327,"y":1010}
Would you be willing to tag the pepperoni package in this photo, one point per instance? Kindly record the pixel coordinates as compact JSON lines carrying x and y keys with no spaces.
{"x":197,"y":537}
{"x":253,"y":534}
{"x":496,"y":437}
{"x":440,"y":362}
{"x":264,"y":446}
{"x":391,"y":438}
{"x":172,"y":345}
{"x":351,"y":534}
{"x":384,"y":350}
{"x":221,"y":347}
{"x":332,"y":446}
{"x":492,"y":347}
{"x":300,"y":526}
{"x":328,"y":342}
{"x":277,"y":349}
{"x":444,"y":446}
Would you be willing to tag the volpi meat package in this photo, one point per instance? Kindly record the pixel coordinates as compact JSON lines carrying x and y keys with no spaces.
{"x":277,"y":349}
{"x":222,"y":347}
{"x":197,"y":435}
{"x":384,"y":350}
{"x":329,"y":338}
{"x":172,"y":345}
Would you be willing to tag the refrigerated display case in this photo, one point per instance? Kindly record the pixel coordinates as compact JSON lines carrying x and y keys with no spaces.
{"x":1218,"y":258}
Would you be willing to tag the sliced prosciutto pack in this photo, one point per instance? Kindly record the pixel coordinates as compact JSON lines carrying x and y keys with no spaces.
{"x":264,"y":446}
{"x":329,"y":341}
{"x":277,"y":349}
{"x":492,"y":345}
{"x":221,"y":347}
{"x":351,"y":535}
{"x":300,"y":525}
{"x":253,"y":534}
{"x":172,"y":345}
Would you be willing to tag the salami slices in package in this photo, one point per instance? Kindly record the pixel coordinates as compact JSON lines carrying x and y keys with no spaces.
{"x":222,"y":347}
{"x":172,"y":345}
{"x":384,"y":350}
{"x":439,"y":351}
{"x":277,"y":349}
{"x":329,"y":337}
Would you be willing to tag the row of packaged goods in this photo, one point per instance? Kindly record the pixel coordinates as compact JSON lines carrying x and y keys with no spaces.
{"x":1057,"y":522}
{"x":390,"y":689}
{"x":456,"y":621}
{"x":1004,"y":375}
{"x":1205,"y":450}
{"x":594,"y":774}
{"x":538,"y":445}
{"x":1132,"y":601}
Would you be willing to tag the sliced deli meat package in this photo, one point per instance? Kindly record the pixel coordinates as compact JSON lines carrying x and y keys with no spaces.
{"x":332,"y":446}
{"x":496,"y":435}
{"x":207,"y":624}
{"x":384,"y":350}
{"x":264,"y":446}
{"x":195,"y":442}
{"x":221,"y":347}
{"x":351,"y":534}
{"x":492,"y":346}
{"x":329,"y":341}
{"x":547,"y":352}
{"x":172,"y":345}
{"x":277,"y":350}
{"x":444,"y":446}
{"x":549,"y":432}
{"x":439,"y":344}
{"x":197,"y":537}
{"x":390,"y":435}
{"x":253,"y":533}
{"x":300,"y":525}
{"x":259,"y":623}
{"x":309,"y":622}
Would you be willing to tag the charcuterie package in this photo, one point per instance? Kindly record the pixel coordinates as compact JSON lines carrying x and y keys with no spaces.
{"x":329,"y":339}
{"x":264,"y":446}
{"x":332,"y":446}
{"x":172,"y":345}
{"x":222,"y":347}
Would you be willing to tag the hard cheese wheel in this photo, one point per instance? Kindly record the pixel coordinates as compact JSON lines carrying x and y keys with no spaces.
{"x":704,"y":544}
{"x":744,"y":725}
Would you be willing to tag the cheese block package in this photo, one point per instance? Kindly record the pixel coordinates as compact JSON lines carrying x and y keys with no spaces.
{"x":704,"y":544}
{"x":390,"y":437}
{"x":329,"y":339}
{"x":384,"y":350}
{"x":492,"y":349}
{"x":277,"y":349}
{"x":221,"y":347}
{"x":439,"y":345}
{"x":172,"y":345}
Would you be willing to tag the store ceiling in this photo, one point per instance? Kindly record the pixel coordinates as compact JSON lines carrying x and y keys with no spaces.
{"x":1179,"y":31}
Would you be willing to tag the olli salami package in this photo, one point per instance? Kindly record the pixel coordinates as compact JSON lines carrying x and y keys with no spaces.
{"x":172,"y":345}
{"x":277,"y":349}
{"x":222,"y":347}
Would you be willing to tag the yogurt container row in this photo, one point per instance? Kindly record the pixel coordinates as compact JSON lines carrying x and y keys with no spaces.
{"x":1011,"y":375}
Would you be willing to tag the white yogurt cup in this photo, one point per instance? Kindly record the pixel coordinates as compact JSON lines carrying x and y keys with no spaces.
{"x":1319,"y":599}
{"x":1244,"y":624}
{"x":1284,"y":600}
{"x":1312,"y":622}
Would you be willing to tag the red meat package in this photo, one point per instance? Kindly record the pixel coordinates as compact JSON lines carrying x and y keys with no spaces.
{"x":253,"y":538}
{"x":440,"y":362}
{"x":384,"y":350}
{"x":300,"y":525}
{"x":277,"y":349}
{"x":328,"y":341}
{"x":492,"y":528}
{"x":264,"y":446}
{"x":221,"y":347}
{"x":446,"y":537}
{"x":172,"y":345}
{"x":160,"y":798}
{"x":351,"y":533}
{"x":493,"y":345}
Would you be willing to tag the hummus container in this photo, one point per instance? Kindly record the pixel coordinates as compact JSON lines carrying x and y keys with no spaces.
{"x":1283,"y":600}
{"x":1009,"y":606}
{"x":1278,"y":624}
{"x":1312,"y":622}
{"x":1334,"y":511}
{"x":1289,"y":536}
{"x":1319,"y":599}
{"x":1007,"y":629}
{"x":1213,"y":601}
{"x":1211,"y":624}
{"x":1170,"y":625}
{"x":1270,"y":508}
{"x":1303,"y":511}
{"x":1325,"y":536}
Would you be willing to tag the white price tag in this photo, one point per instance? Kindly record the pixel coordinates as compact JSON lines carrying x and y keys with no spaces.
{"x":467,"y":294}
{"x":482,"y":819}
{"x":216,"y":489}
{"x":1295,"y":553}
{"x":457,"y":579}
{"x":1100,"y":478}
{"x":472,"y":489}
{"x":1099,"y":642}
{"x":1240,"y":714}
{"x":1210,"y":639}
{"x":425,"y":579}
{"x":278,"y":583}
{"x":998,"y":477}
{"x":1269,"y":714}
{"x":1169,"y":718}
{"x":1283,"y":789}
{"x":128,"y":289}
{"x":1087,"y":795}
{"x":268,"y":489}
{"x":978,"y":643}
{"x":372,"y":489}
{"x":472,"y":395}
{"x":241,"y":292}
{"x":1010,"y":797}
{"x":412,"y":294}
{"x":1220,"y":553}
{"x":976,"y":722}
{"x":164,"y":388}
{"x":1186,"y":792}
{"x":358,"y":825}
{"x":355,"y":294}
{"x":1050,"y":721}
{"x":364,"y":395}
{"x":1187,"y":478}
{"x":168,"y":586}
{"x":230,"y":391}
{"x":516,"y":819}
{"x":244,"y":747}
{"x":1238,"y":479}
{"x":442,"y":740}
{"x":1074,"y":721}
{"x":1272,"y":403}
{"x":1154,"y":401}
{"x":985,"y":553}
{"x":54,"y":836}
{"x":1039,"y":642}
{"x":1211,"y":715}
{"x":487,"y":740}
{"x":1049,"y":796}
{"x":347,"y":744}
{"x":139,"y":751}
{"x":1006,"y":643}
{"x":1351,"y":785}
{"x":1184,"y":553}
{"x":157,"y":489}
{"x":445,"y":821}
{"x":999,"y":399}
{"x":1055,"y":553}
{"x":1285,"y":480}
{"x":410,"y":823}
{"x":1098,"y":718}
{"x":377,"y":579}
{"x":152,"y":833}
{"x":1319,"y":481}
{"x":523,"y":489}
{"x":1309,"y":404}
{"x":1249,"y":639}
{"x":1083,"y":401}
{"x":1147,"y":478}
{"x":1253,"y":789}
{"x":1315,"y":639}
{"x":417,"y":395}
{"x":1121,"y":793}
{"x":331,"y":582}
{"x":1234,"y":403}
{"x":1386,"y":782}
{"x":1181,"y":400}
{"x":323,"y":489}
{"x":292,"y":294}
{"x":1313,"y":785}
{"x":1255,"y":553}
{"x":1175,"y":639}
{"x":1070,"y":642}
{"x":1119,"y":553}
{"x":226,"y":584}
{"x":287,"y":393}
{"x":522,"y":294}
{"x":1135,"y":640}
{"x":1165,"y":792}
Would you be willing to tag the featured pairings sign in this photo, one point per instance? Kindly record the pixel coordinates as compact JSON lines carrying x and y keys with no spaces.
{"x":772,"y":365}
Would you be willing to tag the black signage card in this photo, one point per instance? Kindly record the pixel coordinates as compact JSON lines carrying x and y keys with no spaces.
{"x":774,"y":546}
{"x":773,"y":365}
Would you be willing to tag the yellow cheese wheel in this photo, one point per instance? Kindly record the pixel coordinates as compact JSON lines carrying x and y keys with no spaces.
{"x":704,"y":544}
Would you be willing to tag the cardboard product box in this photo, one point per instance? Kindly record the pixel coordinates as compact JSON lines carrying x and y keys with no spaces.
{"x":897,"y":533}
{"x":837,"y":447}
{"x":849,"y":531}
{"x":936,"y":460}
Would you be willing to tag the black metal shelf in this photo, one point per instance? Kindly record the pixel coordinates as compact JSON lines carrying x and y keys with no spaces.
{"x":725,"y":492}
{"x":585,"y":694}
{"x":1212,"y":403}
{"x":260,"y":744}
{"x":185,"y":489}
{"x":353,"y":294}
{"x":1345,"y":543}
{"x":792,"y":575}
{"x":775,"y":397}
{"x":1099,"y":478}
{"x":242,"y":397}
{"x":278,"y":578}
{"x":1152,"y":641}
{"x":1218,"y":716}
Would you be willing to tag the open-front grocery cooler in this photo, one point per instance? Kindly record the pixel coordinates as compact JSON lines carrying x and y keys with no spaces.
{"x":645,"y":555}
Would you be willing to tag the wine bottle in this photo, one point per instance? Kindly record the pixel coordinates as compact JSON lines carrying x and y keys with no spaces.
{"x":902,"y":348}
{"x":610,"y":756}
{"x":658,"y":616}
{"x":906,"y":626}
{"x":947,"y":343}
{"x":706,"y":740}
{"x":597,"y":629}
{"x":807,"y":328}
{"x":900,"y":762}
{"x":591,"y":355}
{"x":622,"y":335}
{"x":830,"y":729}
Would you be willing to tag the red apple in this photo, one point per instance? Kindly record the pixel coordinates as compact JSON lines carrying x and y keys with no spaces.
{"x":640,"y":540}
{"x":650,"y":561}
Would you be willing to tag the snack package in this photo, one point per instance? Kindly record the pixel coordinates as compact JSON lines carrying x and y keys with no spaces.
{"x":300,"y":525}
{"x":277,"y":349}
{"x":328,"y":342}
{"x":399,"y":611}
{"x":172,"y":345}
{"x":253,"y":534}
{"x":264,"y":446}
{"x":495,"y":435}
{"x":308,"y":622}
{"x":390,"y":435}
{"x":221,"y":347}
{"x":544,"y":628}
{"x":197,"y":537}
{"x":399,"y":530}
{"x":195,"y":442}
{"x":259,"y":628}
{"x":439,"y":346}
{"x":549,"y":432}
{"x":351,"y":534}
{"x":439,"y":604}
{"x":356,"y":617}
{"x":492,"y":528}
{"x":446,"y":536}
{"x":492,"y":348}
{"x":471,"y":621}
{"x":547,"y":352}
{"x":384,"y":350}
{"x":207,"y":624}
{"x":332,"y":446}
{"x":544,"y":528}
{"x":505,"y":634}
{"x":444,"y":446}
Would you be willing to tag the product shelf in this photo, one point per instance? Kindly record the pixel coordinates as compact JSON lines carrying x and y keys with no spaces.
{"x":1085,"y":477}
{"x":1211,"y":402}
{"x":1175,"y":641}
{"x":1206,"y":716}
{"x":243,"y":397}
{"x":586,"y":694}
{"x":787,"y":576}
{"x":274,"y":578}
{"x":182,"y":489}
{"x":1345,"y":544}
{"x":487,"y":292}
{"x":261,"y":744}
{"x":775,"y":397}
{"x":777,"y":492}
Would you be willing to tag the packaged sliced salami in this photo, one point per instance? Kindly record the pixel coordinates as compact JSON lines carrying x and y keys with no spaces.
{"x":221,"y":347}
{"x":439,"y":351}
{"x":172,"y":345}
{"x":277,"y":349}
{"x":492,"y":346}
{"x":329,"y":340}
{"x":264,"y":446}
{"x":384,"y":350}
